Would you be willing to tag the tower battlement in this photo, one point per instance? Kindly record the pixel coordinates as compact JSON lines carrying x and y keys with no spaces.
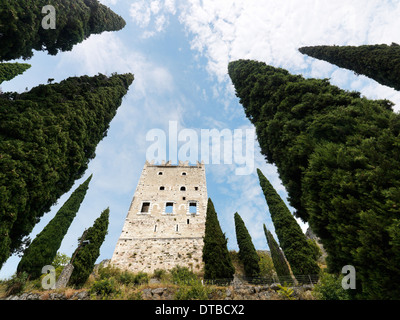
{"x":165,"y":223}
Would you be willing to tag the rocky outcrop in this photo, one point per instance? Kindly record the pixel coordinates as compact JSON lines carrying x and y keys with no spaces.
{"x":237,"y":291}
{"x":79,"y":295}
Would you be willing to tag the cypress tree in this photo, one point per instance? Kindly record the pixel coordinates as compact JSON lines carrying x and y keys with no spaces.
{"x":379,"y":62}
{"x":44,"y":247}
{"x":22,"y":31}
{"x":216,"y":258}
{"x":247,"y":252}
{"x":280,"y":264}
{"x":84,"y":257}
{"x":293,"y":242}
{"x":47,"y":138}
{"x":9,"y":71}
{"x":337,"y":154}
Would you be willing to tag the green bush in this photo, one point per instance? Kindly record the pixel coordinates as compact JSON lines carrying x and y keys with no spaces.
{"x":266,"y":265}
{"x":141,"y":278}
{"x":108,"y":272}
{"x":182,"y":275}
{"x":126,"y":277}
{"x":285,"y":292}
{"x":104,"y":288}
{"x":329,"y":287}
{"x":194,"y":290}
{"x":16,"y":284}
{"x":160,"y":274}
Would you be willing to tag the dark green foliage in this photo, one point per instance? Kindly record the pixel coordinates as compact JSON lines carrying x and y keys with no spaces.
{"x":280,"y":264}
{"x":379,"y":62}
{"x":47,"y":138}
{"x":85,"y":256}
{"x":44,"y":247}
{"x":182,"y":275}
{"x":17,"y":284}
{"x":298,"y":252}
{"x":21,"y":25}
{"x":9,"y":71}
{"x":330,"y":288}
{"x":338,"y":155}
{"x":104,"y":288}
{"x":247,"y":252}
{"x":216,"y":258}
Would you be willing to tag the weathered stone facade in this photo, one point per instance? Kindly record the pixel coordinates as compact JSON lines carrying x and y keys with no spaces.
{"x":165,"y":224}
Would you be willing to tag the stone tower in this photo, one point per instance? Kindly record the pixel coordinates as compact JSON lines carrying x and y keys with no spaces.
{"x":165,"y":224}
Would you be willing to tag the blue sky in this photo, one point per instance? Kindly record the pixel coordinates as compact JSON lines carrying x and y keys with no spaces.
{"x":179,"y":52}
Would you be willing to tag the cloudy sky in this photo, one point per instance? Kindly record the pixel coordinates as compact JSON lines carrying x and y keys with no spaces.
{"x":179,"y":51}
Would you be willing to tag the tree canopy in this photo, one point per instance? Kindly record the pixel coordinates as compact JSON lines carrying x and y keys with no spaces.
{"x":44,"y":247}
{"x":292,"y":240}
{"x":47,"y":138}
{"x":247,"y":252}
{"x":280,"y":264}
{"x":21,"y":28}
{"x":85,"y":256}
{"x":9,"y":71}
{"x":379,"y":62}
{"x":216,"y":258}
{"x":338,"y":155}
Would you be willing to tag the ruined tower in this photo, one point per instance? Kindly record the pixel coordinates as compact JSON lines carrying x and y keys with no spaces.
{"x":165,"y":224}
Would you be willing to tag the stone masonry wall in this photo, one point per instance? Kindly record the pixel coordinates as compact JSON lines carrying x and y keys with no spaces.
{"x":165,"y":224}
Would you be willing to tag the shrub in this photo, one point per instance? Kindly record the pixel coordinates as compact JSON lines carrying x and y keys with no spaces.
{"x":159,"y":274}
{"x":126,"y":277}
{"x":285,"y":292}
{"x":182,"y":275}
{"x":141,"y":278}
{"x":104,"y":288}
{"x":329,"y":287}
{"x":16,"y":284}
{"x":194,"y":290}
{"x":108,"y":272}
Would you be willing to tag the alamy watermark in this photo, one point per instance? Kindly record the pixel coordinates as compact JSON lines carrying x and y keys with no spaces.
{"x":349,"y":280}
{"x":49,"y":21}
{"x":49,"y":280}
{"x":210,"y":145}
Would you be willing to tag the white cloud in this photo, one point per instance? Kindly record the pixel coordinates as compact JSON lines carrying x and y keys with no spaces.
{"x":109,"y":2}
{"x":272,"y":31}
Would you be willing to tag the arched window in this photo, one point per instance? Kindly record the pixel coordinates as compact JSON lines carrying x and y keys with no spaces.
{"x":160,"y":173}
{"x":162,"y":188}
{"x":184,"y":173}
{"x":183,"y":188}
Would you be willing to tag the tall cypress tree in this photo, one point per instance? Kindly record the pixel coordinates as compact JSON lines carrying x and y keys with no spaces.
{"x":47,"y":138}
{"x":44,"y":247}
{"x":247,"y":252}
{"x":216,"y":258}
{"x":337,"y":154}
{"x":379,"y":62}
{"x":293,"y":242}
{"x":9,"y":71}
{"x":280,"y":264}
{"x":22,"y":31}
{"x":84,"y":257}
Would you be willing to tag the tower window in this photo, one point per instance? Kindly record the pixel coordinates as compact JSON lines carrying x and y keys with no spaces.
{"x":145,"y":207}
{"x":196,"y":188}
{"x":177,"y":228}
{"x":184,"y":173}
{"x":160,"y":173}
{"x":188,"y":221}
{"x":155,"y":228}
{"x":183,"y":188}
{"x":192,"y":207}
{"x":162,"y":188}
{"x":169,"y":207}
